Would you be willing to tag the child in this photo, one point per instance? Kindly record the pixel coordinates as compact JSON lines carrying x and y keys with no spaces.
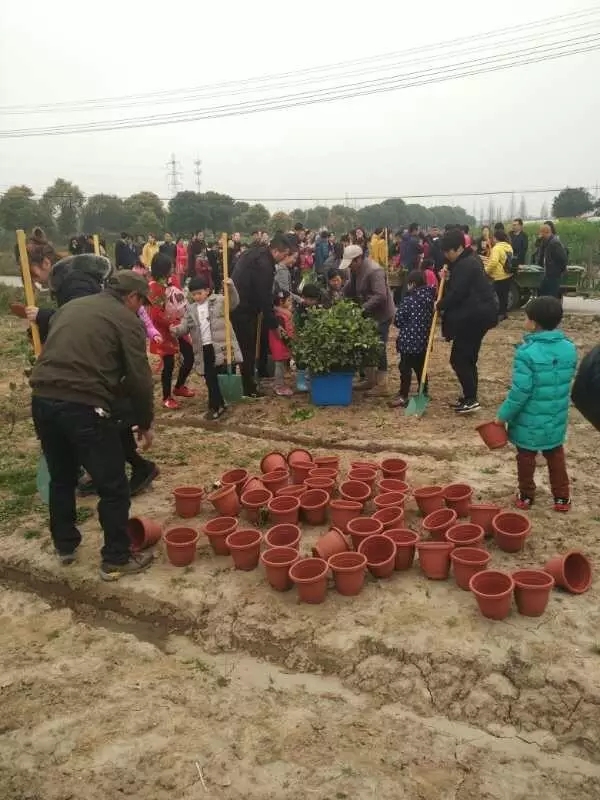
{"x":427,"y":268}
{"x":204,"y":321}
{"x":536,"y":409}
{"x":413,"y":320}
{"x":335,"y":283}
{"x":279,"y":339}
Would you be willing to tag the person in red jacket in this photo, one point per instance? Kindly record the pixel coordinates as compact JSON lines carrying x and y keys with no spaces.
{"x":167,"y":307}
{"x":279,"y":340}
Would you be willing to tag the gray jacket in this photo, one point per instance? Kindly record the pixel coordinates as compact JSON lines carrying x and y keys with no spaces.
{"x":216,"y":312}
{"x":368,"y":285}
{"x":282,"y":282}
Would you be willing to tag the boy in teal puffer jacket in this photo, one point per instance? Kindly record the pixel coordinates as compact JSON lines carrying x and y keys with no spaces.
{"x":536,"y":409}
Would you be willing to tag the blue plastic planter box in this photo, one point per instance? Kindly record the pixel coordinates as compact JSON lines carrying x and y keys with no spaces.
{"x":334,"y":389}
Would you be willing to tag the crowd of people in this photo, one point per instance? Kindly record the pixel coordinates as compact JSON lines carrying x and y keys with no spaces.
{"x":93,"y":388}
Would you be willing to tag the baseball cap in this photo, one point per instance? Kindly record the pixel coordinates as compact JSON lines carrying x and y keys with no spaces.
{"x":350,"y":253}
{"x":126,"y":281}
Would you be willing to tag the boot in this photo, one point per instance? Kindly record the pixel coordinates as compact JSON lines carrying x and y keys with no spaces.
{"x":381,"y":388}
{"x":369,"y":381}
{"x":301,"y":384}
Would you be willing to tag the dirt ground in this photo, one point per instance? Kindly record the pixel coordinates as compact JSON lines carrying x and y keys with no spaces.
{"x":402,"y":692}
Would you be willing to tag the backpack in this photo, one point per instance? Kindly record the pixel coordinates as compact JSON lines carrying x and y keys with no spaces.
{"x":585,"y":393}
{"x":175,"y":303}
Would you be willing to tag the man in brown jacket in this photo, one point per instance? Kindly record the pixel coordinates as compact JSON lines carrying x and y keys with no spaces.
{"x":95,"y":353}
{"x":368,"y":286}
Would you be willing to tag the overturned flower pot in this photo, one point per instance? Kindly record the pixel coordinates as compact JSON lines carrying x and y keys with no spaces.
{"x":143,"y":532}
{"x":272,"y":461}
{"x":235,"y":477}
{"x":571,"y":571}
{"x":329,"y":544}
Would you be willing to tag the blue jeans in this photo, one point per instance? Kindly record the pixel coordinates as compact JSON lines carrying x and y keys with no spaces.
{"x":383,"y":329}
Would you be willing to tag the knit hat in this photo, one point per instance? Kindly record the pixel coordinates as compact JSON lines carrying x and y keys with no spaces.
{"x":198,"y":285}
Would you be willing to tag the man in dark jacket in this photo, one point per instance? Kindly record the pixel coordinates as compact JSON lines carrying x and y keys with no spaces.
{"x":469,"y":310}
{"x":196,"y":246}
{"x":95,"y":354}
{"x":519,"y":242}
{"x":253,"y":277}
{"x":322,"y":250}
{"x":125,"y":253}
{"x":553,"y":258}
{"x":168,"y":247}
{"x":411,"y":248}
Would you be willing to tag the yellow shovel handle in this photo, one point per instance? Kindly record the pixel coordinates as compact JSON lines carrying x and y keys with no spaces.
{"x":226,"y":304}
{"x":436,"y":314}
{"x":28,"y":288}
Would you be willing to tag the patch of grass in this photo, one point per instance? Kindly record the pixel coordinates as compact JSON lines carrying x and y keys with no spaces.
{"x":302,"y":414}
{"x":84,"y":513}
{"x":452,"y":622}
{"x":222,"y":681}
{"x":489,"y":471}
{"x":34,"y":533}
{"x":13,"y":508}
{"x":52,"y":635}
{"x":198,"y":664}
{"x":21,"y":481}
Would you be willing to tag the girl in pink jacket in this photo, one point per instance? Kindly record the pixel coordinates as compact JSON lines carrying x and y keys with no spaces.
{"x":279,"y":340}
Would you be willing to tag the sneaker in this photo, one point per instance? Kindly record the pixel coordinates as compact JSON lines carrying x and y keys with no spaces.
{"x":523,"y":501}
{"x":213,"y":416}
{"x":257,"y":395}
{"x":468,"y":407}
{"x":184,"y":391}
{"x":142,"y":477}
{"x":284,"y":391}
{"x":562,"y":504}
{"x":398,"y":402}
{"x":66,"y":558}
{"x":171,"y":404}
{"x":460,"y":401}
{"x":138,"y":562}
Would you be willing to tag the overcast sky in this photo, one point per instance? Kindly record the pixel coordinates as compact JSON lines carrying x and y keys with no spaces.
{"x":531,"y":127}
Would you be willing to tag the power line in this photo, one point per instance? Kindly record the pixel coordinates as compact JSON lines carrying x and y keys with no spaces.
{"x":500,"y":62}
{"x":344,"y":66}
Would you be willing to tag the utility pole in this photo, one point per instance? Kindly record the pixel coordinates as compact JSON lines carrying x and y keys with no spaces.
{"x":174,"y":174}
{"x":198,"y":173}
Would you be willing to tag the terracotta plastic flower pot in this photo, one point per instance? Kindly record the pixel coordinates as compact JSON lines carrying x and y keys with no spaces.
{"x":310,"y":577}
{"x":390,"y":517}
{"x":493,"y":592}
{"x":532,"y":591}
{"x":405,"y":541}
{"x":276,"y":480}
{"x":483,"y":514}
{"x":392,"y":485}
{"x":510,"y":531}
{"x":237,"y":477}
{"x":226,"y":501}
{"x":284,"y":510}
{"x":251,"y":484}
{"x":466,"y":562}
{"x":355,"y":490}
{"x":244,"y":547}
{"x":272,"y":461}
{"x":363,"y":527}
{"x":324,"y":472}
{"x":217,"y":530}
{"x":291,"y":491}
{"x":389,"y":499}
{"x":437,"y":523}
{"x":299,"y":456}
{"x":348,"y":572}
{"x":188,"y":500}
{"x":394,"y":468}
{"x":314,"y":506}
{"x":143,"y":532}
{"x":277,"y":562}
{"x":329,"y":544}
{"x":458,"y":497}
{"x":571,"y":571}
{"x":381,"y":555}
{"x":429,"y":499}
{"x":434,"y":559}
{"x":493,"y":434}
{"x":283,"y":535}
{"x":365,"y":465}
{"x":300,"y":471}
{"x":327,"y":484}
{"x":363,"y":475}
{"x":333,"y":462}
{"x":181,"y":544}
{"x":342,"y":511}
{"x":254,"y":502}
{"x":465,"y":534}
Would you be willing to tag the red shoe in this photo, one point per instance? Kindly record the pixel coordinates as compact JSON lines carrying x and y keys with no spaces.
{"x":562,"y":504}
{"x":171,"y":404}
{"x":523,"y":502}
{"x":183,"y":391}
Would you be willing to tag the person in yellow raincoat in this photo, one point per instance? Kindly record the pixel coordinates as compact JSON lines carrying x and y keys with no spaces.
{"x":498,"y":268}
{"x":378,"y":247}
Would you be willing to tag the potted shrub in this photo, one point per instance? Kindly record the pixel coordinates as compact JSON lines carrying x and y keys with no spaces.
{"x":333,"y":344}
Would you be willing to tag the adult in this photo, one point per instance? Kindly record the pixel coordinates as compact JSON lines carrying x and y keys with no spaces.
{"x":168,"y":247}
{"x":125,"y":255}
{"x":368,"y":286}
{"x":469,"y":311}
{"x":410,"y":248}
{"x":378,"y":247}
{"x":94,"y":355}
{"x":435,"y":250}
{"x":253,"y":276}
{"x":359,"y":237}
{"x":149,"y":250}
{"x":553,"y":258}
{"x":498,"y":267}
{"x":484,"y":242}
{"x":322,"y":251}
{"x":519,"y":242}
{"x":467,"y":235}
{"x":197,"y":245}
{"x":256,"y":238}
{"x":181,"y":257}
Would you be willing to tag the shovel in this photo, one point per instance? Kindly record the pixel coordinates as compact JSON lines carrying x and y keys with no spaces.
{"x":417,"y":405}
{"x":43,"y":476}
{"x":230,"y":384}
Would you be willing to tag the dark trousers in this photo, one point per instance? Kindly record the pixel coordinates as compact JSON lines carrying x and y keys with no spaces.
{"x":409,"y":363}
{"x":187,"y":363}
{"x":244,"y":324}
{"x":384,"y":334}
{"x":550,"y":286}
{"x":463,"y":360}
{"x":211,"y":372}
{"x":502,"y":289}
{"x":557,"y":472}
{"x":72,"y":434}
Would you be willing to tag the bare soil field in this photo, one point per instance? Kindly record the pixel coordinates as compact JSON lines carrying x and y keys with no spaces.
{"x":402,"y":692}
